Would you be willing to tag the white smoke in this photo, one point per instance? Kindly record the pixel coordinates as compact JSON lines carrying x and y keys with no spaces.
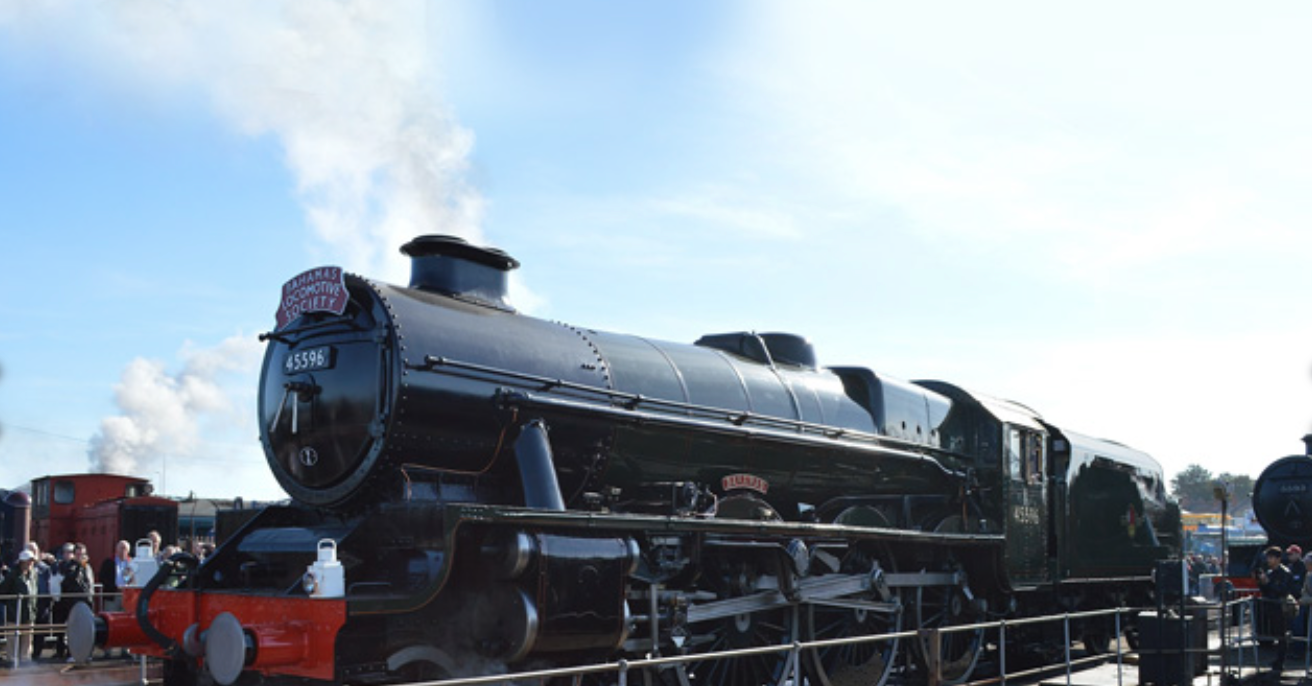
{"x":162,"y":412}
{"x":348,"y":87}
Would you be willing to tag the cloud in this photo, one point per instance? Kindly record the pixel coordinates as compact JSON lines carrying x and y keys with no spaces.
{"x":1234,"y":402}
{"x":161,"y":413}
{"x":989,"y":127}
{"x":718,"y":207}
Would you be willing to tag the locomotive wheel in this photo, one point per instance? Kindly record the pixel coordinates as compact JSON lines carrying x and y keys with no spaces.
{"x":941,"y":607}
{"x":729,"y":579}
{"x":868,"y":664}
{"x":1096,"y":640}
{"x":178,"y":672}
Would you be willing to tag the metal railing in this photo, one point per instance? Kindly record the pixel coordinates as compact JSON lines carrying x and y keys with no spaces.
{"x":1234,"y":622}
{"x":624,"y":669}
{"x":47,"y":630}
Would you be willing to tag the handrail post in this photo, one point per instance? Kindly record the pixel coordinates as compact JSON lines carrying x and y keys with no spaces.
{"x":624,"y":672}
{"x":1120,"y":668}
{"x":794,"y":669}
{"x":1066,"y":632}
{"x":931,"y":638}
{"x":1002,"y":649}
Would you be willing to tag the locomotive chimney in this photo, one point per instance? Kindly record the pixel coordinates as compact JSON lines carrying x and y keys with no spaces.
{"x":451,"y":266}
{"x":1307,"y":441}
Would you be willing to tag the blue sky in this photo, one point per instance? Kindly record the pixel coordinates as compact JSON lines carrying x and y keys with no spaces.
{"x":1102,"y":213}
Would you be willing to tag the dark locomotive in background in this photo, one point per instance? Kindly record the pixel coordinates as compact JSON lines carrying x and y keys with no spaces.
{"x":1282,"y":499}
{"x":1282,"y":503}
{"x":505,"y":491}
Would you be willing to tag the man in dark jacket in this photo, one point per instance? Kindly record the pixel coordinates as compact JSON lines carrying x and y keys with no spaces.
{"x":1276,"y":585}
{"x":75,"y":588}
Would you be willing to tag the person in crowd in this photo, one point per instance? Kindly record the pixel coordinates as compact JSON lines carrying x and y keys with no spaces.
{"x":42,"y":566}
{"x":155,"y":541}
{"x":1304,"y":600}
{"x":111,"y":576}
{"x":57,"y":608}
{"x":1293,"y":560}
{"x":1195,"y":563}
{"x":78,"y":580}
{"x":1275,"y":585}
{"x":20,"y":584}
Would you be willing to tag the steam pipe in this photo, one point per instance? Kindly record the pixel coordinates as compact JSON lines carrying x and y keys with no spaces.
{"x":1307,"y":441}
{"x":177,"y":562}
{"x":537,"y":467}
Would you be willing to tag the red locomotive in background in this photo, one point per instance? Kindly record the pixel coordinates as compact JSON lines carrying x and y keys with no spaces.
{"x":99,"y":510}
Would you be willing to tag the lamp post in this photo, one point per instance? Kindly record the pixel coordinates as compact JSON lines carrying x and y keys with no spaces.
{"x":1221,"y":490}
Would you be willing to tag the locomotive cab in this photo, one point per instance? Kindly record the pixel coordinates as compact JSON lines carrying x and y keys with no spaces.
{"x":1006,"y":443}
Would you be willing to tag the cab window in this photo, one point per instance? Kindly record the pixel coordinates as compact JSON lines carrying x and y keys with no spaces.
{"x":1025,"y":456}
{"x":1033,"y":458}
{"x":1014,"y":451}
{"x":64,"y":493}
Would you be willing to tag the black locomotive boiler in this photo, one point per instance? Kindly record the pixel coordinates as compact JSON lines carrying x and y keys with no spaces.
{"x":1282,"y":499}
{"x":476,"y":489}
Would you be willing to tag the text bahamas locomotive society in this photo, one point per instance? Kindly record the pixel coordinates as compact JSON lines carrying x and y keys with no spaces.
{"x":322,"y":289}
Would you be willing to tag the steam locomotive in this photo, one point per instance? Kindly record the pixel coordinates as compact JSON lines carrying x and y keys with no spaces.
{"x":1282,"y":504}
{"x":1282,"y":499}
{"x":474,"y":489}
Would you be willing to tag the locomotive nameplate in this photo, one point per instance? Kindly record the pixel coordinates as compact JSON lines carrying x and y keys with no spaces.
{"x":749,"y":482}
{"x":317,"y":290}
{"x":309,"y":360}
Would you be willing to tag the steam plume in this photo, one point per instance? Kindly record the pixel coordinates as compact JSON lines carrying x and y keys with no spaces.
{"x":161,"y":412}
{"x":347,"y":86}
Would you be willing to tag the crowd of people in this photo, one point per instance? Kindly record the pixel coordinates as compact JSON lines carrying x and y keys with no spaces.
{"x":39,"y":590}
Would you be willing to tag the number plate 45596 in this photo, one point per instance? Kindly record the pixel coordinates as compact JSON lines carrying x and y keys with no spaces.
{"x":308,"y":360}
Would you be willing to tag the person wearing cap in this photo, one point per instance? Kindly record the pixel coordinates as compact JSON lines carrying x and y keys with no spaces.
{"x":1275,"y":585}
{"x":1294,"y":561}
{"x":20,"y":584}
{"x":42,"y":566}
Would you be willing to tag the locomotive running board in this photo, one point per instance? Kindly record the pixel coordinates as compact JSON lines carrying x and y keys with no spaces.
{"x":458,"y":514}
